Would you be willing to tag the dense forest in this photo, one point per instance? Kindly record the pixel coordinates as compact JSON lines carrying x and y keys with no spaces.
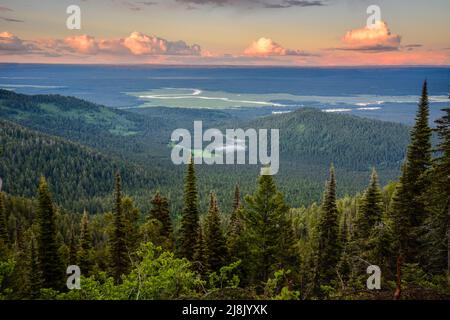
{"x":139,"y":142}
{"x":252,"y":245}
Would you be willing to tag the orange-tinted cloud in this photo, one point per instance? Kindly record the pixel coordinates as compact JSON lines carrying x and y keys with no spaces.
{"x":83,"y":44}
{"x":371,"y":38}
{"x":265,"y":47}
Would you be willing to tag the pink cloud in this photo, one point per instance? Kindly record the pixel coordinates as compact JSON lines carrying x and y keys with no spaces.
{"x":266,"y":47}
{"x":83,"y":44}
{"x":371,"y":38}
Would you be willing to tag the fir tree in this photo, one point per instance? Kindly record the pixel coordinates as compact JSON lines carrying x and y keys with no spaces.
{"x":51,"y":268}
{"x":371,"y":209}
{"x":85,"y":246}
{"x":34,"y":276}
{"x":328,"y":254}
{"x":119,"y":252}
{"x":216,"y":249}
{"x":270,"y":237}
{"x":200,"y":259}
{"x":237,"y":198}
{"x":73,"y":249}
{"x":408,"y":207}
{"x":131,"y":216}
{"x":438,"y":203}
{"x":160,"y":211}
{"x":189,"y":220}
{"x":3,"y":225}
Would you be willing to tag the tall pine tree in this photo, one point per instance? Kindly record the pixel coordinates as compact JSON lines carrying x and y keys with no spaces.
{"x":50,"y":266}
{"x":119,"y":252}
{"x":216,"y":248}
{"x":328,"y":251}
{"x":408,"y":206}
{"x":85,"y":246}
{"x":269,"y":231}
{"x":190,"y":218}
{"x":160,"y":211}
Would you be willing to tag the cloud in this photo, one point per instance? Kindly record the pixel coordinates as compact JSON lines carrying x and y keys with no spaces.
{"x":10,"y":19}
{"x":294,"y":3}
{"x":136,"y":44}
{"x":377,"y":38}
{"x":269,"y":4}
{"x":9,"y":43}
{"x":5,"y":9}
{"x":264,"y":47}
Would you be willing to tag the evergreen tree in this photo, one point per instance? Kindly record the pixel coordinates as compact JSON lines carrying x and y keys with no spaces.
{"x":73,"y":249}
{"x":119,"y":252}
{"x":200,"y":259}
{"x":328,"y":251}
{"x":131,"y":216}
{"x":51,"y":268}
{"x":269,"y":230}
{"x":216,"y":249}
{"x":237,"y":198}
{"x":34,"y":277}
{"x":190,"y":217}
{"x":370,"y":211}
{"x":438,"y":203}
{"x":160,"y":211}
{"x":3,"y":225}
{"x":85,"y":246}
{"x":408,"y":207}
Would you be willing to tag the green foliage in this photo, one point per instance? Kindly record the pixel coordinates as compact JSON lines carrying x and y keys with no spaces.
{"x":190,"y":217}
{"x":216,"y":248}
{"x":328,"y":235}
{"x":50,"y":267}
{"x":119,"y":254}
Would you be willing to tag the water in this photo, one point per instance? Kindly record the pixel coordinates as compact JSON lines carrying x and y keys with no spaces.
{"x":389,"y":94}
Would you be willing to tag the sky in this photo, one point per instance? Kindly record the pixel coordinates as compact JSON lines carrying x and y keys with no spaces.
{"x":227,"y":32}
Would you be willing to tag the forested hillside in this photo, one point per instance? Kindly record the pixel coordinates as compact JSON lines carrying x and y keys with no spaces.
{"x":310,"y":140}
{"x":77,"y":173}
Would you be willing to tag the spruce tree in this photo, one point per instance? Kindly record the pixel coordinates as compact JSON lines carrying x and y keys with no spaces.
{"x":131,"y":216}
{"x":51,"y":268}
{"x":73,"y":249}
{"x":190,"y":217}
{"x":370,"y":210}
{"x":216,"y":249}
{"x":269,"y":230}
{"x":237,"y":198}
{"x":200,"y":259}
{"x":85,"y":246}
{"x":408,"y":206}
{"x":328,"y":254}
{"x":118,"y":252}
{"x":160,"y":211}
{"x":3,"y":225}
{"x":34,"y":276}
{"x":438,"y":203}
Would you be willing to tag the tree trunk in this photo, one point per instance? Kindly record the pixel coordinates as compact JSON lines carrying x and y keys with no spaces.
{"x":398,"y":290}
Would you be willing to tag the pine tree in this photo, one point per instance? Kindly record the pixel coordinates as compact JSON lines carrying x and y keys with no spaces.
{"x":438,"y":203}
{"x":51,"y":268}
{"x":73,"y":249}
{"x":370,"y":211}
{"x":190,"y":218}
{"x":408,"y":206}
{"x":269,"y":230}
{"x":216,"y":249}
{"x":85,"y":246}
{"x":160,"y":211}
{"x":237,"y":198}
{"x":200,"y":259}
{"x":3,"y":225}
{"x":34,"y":277}
{"x":328,"y":254}
{"x":131,"y":216}
{"x":118,"y":252}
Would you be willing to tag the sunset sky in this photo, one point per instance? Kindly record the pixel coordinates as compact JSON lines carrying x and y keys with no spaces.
{"x":228,"y":32}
